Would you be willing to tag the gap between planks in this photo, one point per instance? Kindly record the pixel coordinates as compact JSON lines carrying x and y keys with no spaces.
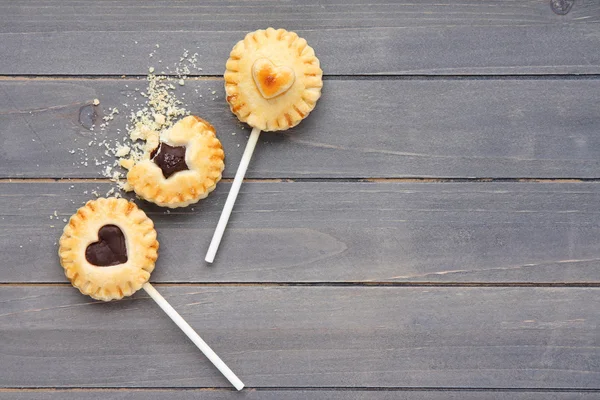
{"x":365,"y":284}
{"x":333,"y":77}
{"x":298,"y":388}
{"x":324,"y":180}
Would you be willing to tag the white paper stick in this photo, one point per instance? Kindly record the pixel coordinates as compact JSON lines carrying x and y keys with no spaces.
{"x":233,"y":192}
{"x":194,"y":337}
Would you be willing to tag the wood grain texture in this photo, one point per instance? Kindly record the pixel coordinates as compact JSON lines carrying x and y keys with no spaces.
{"x":434,"y":37}
{"x":360,"y":128}
{"x":297,"y":394}
{"x":337,"y":232}
{"x":305,"y":337}
{"x":292,"y":303}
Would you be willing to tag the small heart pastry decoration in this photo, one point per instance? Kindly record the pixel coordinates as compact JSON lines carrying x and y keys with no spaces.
{"x":109,"y":250}
{"x":270,"y":80}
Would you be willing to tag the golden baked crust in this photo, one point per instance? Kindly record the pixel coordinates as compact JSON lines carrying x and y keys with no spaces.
{"x":204,"y":157}
{"x":116,"y":281}
{"x":272,"y":79}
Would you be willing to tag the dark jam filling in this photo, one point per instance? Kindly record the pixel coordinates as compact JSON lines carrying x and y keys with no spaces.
{"x":109,"y":250}
{"x":170,"y":159}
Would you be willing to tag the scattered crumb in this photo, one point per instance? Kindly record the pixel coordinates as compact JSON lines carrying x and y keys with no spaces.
{"x":126,"y":163}
{"x":161,"y":110}
{"x":107,"y":171}
{"x":147,"y":119}
{"x":122,"y":150}
{"x":159,"y":119}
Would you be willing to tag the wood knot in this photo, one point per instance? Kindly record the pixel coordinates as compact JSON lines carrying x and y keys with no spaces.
{"x":89,"y":116}
{"x":561,"y":7}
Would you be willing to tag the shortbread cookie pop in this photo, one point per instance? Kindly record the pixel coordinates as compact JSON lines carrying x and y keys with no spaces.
{"x":108,"y":250}
{"x":183,"y":165}
{"x":272,"y":80}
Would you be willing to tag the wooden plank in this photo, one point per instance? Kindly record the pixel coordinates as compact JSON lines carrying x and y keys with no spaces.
{"x":306,"y":337}
{"x":360,"y":128}
{"x":338,"y":232}
{"x":436,"y":37}
{"x":273,"y":394}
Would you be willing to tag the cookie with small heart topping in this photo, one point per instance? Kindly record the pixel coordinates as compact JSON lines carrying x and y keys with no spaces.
{"x":108,"y":249}
{"x":184,"y":168}
{"x":273,"y":79}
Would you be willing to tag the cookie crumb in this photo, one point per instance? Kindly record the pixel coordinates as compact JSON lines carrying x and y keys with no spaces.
{"x":159,"y":119}
{"x":96,"y":102}
{"x":126,"y":163}
{"x":122,"y":150}
{"x":160,"y":110}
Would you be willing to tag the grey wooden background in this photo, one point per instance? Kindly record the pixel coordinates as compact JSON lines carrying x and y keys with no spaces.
{"x":430,"y":231}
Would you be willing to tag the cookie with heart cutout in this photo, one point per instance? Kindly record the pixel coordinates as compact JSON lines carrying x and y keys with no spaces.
{"x":184,"y":167}
{"x":108,"y":248}
{"x":272,"y":79}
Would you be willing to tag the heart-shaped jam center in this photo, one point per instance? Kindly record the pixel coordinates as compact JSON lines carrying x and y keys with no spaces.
{"x":109,"y":250}
{"x":270,"y":80}
{"x":170,"y":159}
